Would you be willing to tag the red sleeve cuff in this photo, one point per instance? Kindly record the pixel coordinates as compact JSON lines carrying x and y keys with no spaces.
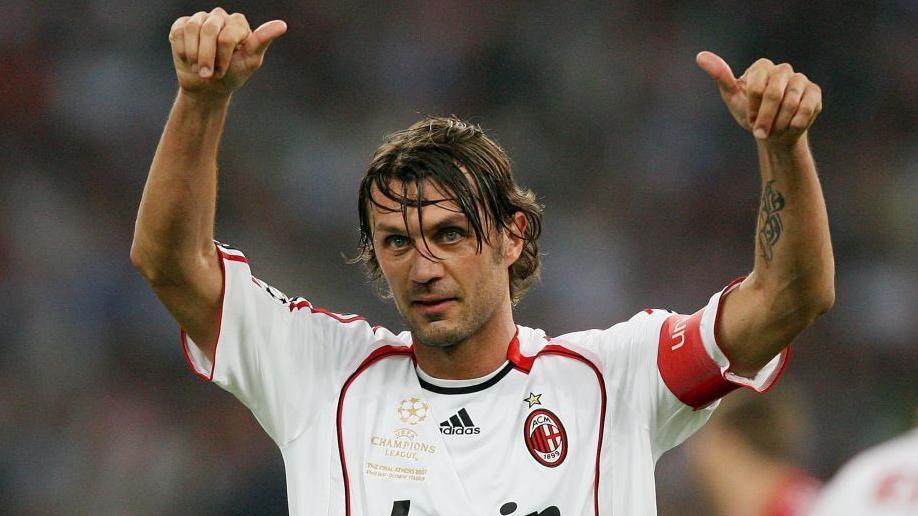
{"x":686,"y":368}
{"x":697,"y":372}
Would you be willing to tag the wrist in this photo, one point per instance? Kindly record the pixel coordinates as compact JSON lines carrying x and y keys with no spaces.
{"x":204,"y":101}
{"x":800,"y":146}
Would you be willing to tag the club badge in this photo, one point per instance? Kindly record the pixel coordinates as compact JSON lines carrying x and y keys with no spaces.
{"x":545,"y":438}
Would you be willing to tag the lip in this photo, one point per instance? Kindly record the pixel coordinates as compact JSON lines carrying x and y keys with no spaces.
{"x":432,"y":306}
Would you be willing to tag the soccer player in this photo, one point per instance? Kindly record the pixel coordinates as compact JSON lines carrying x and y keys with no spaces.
{"x":468,"y":412}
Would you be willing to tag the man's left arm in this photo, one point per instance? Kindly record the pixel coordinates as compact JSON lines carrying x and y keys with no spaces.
{"x":793,"y":281}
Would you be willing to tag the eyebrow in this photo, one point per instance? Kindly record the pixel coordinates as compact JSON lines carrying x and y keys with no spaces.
{"x":458,"y":219}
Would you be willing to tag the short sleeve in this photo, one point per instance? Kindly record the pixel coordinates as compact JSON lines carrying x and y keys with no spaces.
{"x":692,"y":364}
{"x":284,"y":358}
{"x":668,"y":370}
{"x":693,"y":373}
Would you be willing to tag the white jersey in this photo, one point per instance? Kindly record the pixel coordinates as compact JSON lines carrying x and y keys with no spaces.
{"x":570,"y":425}
{"x":882,"y":481}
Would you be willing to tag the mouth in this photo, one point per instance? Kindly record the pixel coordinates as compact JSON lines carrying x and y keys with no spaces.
{"x":432,"y":306}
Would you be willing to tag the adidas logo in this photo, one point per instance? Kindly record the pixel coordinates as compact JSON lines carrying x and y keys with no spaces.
{"x":459,"y":424}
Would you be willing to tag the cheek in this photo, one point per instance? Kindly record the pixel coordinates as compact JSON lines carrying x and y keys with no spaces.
{"x":491,"y":281}
{"x":390,"y":274}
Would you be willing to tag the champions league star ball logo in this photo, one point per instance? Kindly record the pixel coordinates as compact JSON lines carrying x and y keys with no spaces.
{"x":412,"y":411}
{"x":545,"y":438}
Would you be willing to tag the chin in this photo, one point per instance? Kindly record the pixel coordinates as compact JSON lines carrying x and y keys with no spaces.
{"x":438,"y":334}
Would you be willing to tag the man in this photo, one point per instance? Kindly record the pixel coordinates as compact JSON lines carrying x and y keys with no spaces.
{"x":743,"y":459}
{"x":467,"y":412}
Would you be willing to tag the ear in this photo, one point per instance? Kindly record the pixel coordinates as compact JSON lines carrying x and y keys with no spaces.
{"x":513,"y":240}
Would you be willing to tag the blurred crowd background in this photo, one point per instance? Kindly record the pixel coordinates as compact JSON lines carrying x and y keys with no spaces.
{"x":650,"y":191}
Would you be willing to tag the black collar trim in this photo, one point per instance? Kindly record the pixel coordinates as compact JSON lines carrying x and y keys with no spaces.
{"x":427,"y":386}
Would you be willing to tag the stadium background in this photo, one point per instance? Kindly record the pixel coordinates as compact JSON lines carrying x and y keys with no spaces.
{"x":650,"y":187}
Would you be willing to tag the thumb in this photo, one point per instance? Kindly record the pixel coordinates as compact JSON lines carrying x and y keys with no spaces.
{"x":258,"y":41}
{"x":718,"y":69}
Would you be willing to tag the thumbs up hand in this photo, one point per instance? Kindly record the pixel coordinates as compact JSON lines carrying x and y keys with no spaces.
{"x":215,"y":53}
{"x":773,"y":102}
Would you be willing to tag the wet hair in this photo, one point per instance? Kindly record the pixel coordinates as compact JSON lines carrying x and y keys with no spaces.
{"x":471,"y":170}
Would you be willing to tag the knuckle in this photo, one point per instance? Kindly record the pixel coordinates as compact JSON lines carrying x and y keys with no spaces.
{"x":218,"y":10}
{"x":785,"y":67}
{"x":773,"y":95}
{"x":238,"y":17}
{"x":211,"y":27}
{"x":197,"y":19}
{"x":178,"y":24}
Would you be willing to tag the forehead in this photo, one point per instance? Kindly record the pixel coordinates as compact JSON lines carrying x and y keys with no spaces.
{"x":399,"y":197}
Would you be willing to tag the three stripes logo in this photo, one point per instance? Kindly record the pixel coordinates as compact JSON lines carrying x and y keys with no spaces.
{"x":459,"y":424}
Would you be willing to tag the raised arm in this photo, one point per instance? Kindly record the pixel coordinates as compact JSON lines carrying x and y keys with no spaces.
{"x":793,"y":281}
{"x":213,"y":53}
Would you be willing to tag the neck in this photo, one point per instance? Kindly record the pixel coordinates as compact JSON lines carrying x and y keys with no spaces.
{"x":479,"y":354}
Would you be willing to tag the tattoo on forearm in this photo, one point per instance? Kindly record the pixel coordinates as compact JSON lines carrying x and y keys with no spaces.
{"x":770,"y":227}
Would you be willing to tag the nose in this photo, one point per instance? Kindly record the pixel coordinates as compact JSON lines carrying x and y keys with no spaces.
{"x":424,"y":267}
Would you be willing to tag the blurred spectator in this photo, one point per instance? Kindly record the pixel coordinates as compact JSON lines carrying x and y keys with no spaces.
{"x":882,"y":481}
{"x":745,"y":458}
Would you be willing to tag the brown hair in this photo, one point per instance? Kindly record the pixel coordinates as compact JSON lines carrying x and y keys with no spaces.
{"x":471,"y":169}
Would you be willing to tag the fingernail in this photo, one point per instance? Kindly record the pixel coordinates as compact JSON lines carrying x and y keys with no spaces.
{"x":760,"y":133}
{"x":205,"y":71}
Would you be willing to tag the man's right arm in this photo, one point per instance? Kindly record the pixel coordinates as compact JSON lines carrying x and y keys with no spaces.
{"x":214,"y":53}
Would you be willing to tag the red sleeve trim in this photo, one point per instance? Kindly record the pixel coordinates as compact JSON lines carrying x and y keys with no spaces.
{"x":689,"y":371}
{"x":184,"y":337}
{"x":341,"y":318}
{"x":741,"y":381}
{"x":685,"y":366}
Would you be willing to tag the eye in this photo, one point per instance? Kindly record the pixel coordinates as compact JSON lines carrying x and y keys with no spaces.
{"x":397,"y":241}
{"x":451,"y":235}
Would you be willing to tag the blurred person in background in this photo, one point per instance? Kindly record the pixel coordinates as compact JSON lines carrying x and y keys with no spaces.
{"x":455,"y":278}
{"x":881,"y":481}
{"x":745,"y":458}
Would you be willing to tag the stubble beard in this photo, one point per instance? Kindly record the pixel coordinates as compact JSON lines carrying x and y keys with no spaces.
{"x":446,"y":333}
{"x":471,"y":318}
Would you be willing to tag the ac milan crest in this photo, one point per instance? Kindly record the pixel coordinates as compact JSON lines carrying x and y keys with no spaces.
{"x":545,"y":438}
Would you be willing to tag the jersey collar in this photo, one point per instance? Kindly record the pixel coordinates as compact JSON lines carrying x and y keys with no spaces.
{"x":441,"y":386}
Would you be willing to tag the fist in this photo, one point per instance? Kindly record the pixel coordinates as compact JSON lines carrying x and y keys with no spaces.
{"x":215,"y":53}
{"x":770,"y":100}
